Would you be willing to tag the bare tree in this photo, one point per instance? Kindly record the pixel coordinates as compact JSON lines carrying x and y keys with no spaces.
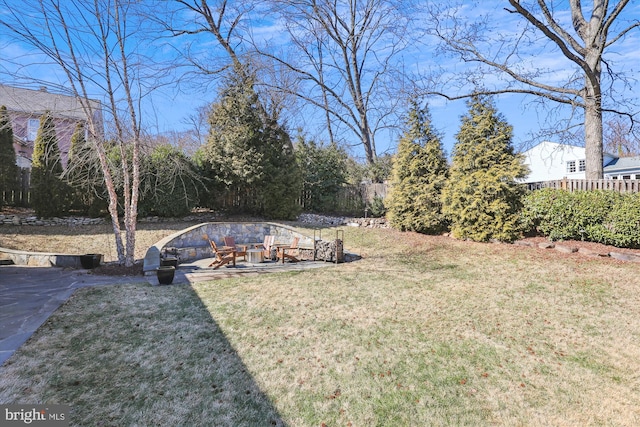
{"x":620,"y":138}
{"x":223,"y":19}
{"x":346,"y":61}
{"x":94,"y":44}
{"x":512,"y":60}
{"x":229,"y":23}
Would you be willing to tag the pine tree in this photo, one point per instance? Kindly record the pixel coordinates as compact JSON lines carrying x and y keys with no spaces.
{"x":251,"y":155}
{"x":8,"y":167}
{"x":418,"y":176}
{"x":482,"y":198}
{"x":49,"y":191}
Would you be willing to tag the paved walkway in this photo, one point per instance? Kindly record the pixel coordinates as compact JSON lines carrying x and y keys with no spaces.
{"x":29,"y":295}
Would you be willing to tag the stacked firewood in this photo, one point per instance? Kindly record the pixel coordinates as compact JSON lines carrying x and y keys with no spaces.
{"x":329,"y":250}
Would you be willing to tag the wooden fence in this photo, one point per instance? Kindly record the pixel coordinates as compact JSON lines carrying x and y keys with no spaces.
{"x":16,"y":198}
{"x":351,"y":199}
{"x":619,"y":185}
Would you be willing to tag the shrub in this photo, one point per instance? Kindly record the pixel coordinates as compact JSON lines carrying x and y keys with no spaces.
{"x":377,"y":207}
{"x":169,"y":183}
{"x":623,"y":222}
{"x":561,"y":215}
{"x":597,"y":216}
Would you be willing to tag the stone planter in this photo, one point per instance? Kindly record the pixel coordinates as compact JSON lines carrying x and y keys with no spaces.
{"x":89,"y":261}
{"x":166,"y":274}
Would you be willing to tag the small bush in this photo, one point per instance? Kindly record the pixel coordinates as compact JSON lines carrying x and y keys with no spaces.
{"x":377,"y":207}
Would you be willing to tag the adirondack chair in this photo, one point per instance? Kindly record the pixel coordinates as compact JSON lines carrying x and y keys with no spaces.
{"x":241,"y":250}
{"x":286,"y":252}
{"x":223,"y":255}
{"x":266,"y":246}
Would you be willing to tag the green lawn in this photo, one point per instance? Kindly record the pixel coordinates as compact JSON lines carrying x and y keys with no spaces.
{"x":422,"y":331}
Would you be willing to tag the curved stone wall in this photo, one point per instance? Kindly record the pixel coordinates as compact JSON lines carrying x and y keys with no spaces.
{"x":191,"y":245}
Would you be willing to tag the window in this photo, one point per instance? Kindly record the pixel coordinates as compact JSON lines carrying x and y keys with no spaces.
{"x":582,"y":165}
{"x":32,"y":129}
{"x":571,"y":166}
{"x":637,"y":176}
{"x":626,"y":176}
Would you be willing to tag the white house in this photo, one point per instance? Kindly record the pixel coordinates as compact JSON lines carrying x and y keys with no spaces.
{"x":549,"y":161}
{"x":623,"y":168}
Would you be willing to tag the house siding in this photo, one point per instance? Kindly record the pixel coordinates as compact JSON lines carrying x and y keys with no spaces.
{"x":549,"y":161}
{"x":26,"y":104}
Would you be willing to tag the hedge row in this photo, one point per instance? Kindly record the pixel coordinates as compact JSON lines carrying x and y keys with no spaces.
{"x":597,"y":216}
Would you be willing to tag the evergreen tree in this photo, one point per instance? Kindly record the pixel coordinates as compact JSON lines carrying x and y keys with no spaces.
{"x":49,"y":191}
{"x":8,"y":167}
{"x":482,"y":198}
{"x":324,"y":172}
{"x":418,"y":177}
{"x":251,"y":155}
{"x":84,"y":176}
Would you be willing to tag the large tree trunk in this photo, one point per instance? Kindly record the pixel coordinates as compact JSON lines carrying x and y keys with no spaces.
{"x":593,"y":132}
{"x":593,"y":138}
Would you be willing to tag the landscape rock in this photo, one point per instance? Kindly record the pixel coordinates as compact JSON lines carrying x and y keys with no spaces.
{"x":623,"y":256}
{"x":566,"y":249}
{"x":589,"y":252}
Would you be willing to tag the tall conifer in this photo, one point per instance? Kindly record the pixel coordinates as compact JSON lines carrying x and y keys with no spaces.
{"x":84,"y":176}
{"x":250,"y":154}
{"x":419,"y":174}
{"x":49,"y":191}
{"x":482,"y":198}
{"x":8,"y":167}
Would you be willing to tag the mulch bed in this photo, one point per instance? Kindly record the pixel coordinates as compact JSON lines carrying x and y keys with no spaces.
{"x":113,"y":269}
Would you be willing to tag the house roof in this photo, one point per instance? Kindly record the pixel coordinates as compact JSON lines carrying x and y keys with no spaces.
{"x":38,"y":101}
{"x":623,"y":163}
{"x":560,"y":146}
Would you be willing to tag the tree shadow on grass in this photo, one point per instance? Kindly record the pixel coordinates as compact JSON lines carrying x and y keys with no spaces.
{"x":137,"y":355}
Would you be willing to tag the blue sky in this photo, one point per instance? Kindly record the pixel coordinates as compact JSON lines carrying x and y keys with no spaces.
{"x":168,"y":108}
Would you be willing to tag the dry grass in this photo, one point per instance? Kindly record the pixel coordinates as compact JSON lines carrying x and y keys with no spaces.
{"x":85,"y":239}
{"x":423,"y":331}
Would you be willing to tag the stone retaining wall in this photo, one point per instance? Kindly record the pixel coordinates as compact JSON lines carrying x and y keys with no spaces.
{"x":33,"y":220}
{"x":189,"y":244}
{"x":315,"y":219}
{"x":40,"y":259}
{"x":312,"y":219}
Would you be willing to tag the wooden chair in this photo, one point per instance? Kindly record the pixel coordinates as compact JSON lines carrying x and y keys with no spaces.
{"x":241,"y":250}
{"x":266,"y":246}
{"x":285,"y":252}
{"x":223,"y":255}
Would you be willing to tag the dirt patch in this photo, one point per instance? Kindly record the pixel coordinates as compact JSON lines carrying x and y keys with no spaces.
{"x":113,"y":269}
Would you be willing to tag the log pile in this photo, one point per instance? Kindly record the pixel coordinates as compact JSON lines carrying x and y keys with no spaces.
{"x":330,"y":251}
